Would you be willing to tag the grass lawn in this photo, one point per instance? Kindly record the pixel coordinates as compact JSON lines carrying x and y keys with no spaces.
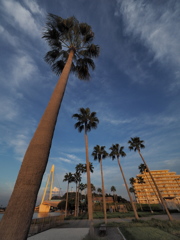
{"x":148,"y":233}
{"x":153,"y":229}
{"x":100,"y":215}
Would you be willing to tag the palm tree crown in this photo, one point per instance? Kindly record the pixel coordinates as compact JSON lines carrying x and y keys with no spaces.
{"x":68,"y":177}
{"x":142,"y":168}
{"x":99,"y":153}
{"x":64,"y":35}
{"x":136,"y":144}
{"x":140,"y":180}
{"x":86,"y":120}
{"x":116,"y":151}
{"x":132,"y":180}
{"x":113,"y":189}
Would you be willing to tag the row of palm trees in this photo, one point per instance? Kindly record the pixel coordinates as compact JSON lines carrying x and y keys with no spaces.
{"x":87,"y":120}
{"x":76,"y":177}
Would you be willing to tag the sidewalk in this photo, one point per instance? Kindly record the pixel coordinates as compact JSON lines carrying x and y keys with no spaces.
{"x":61,"y":234}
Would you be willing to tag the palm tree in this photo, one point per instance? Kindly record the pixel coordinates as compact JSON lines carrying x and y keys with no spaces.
{"x":77,"y":180}
{"x":140,"y":180}
{"x":113,"y":189}
{"x":132,"y":181}
{"x":136,"y":144}
{"x":99,"y":190}
{"x":87,"y":120}
{"x":93,"y":188}
{"x":82,"y":186}
{"x":116,"y":152}
{"x":143,"y":170}
{"x":132,"y":189}
{"x":68,"y":177}
{"x":99,"y":153}
{"x":80,"y":168}
{"x":72,"y":50}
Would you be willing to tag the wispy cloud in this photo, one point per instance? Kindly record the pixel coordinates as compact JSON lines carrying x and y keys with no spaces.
{"x":22,"y":17}
{"x":9,"y":111}
{"x":23,"y":68}
{"x":156,"y":25}
{"x":19,"y":143}
{"x":61,"y":159}
{"x":34,"y":7}
{"x":69,"y":158}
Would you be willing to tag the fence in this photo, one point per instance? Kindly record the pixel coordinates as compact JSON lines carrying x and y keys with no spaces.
{"x":41,"y":224}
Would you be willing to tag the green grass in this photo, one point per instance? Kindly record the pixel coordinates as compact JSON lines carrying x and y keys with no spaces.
{"x":100,"y":215}
{"x":148,"y":233}
{"x":146,"y":230}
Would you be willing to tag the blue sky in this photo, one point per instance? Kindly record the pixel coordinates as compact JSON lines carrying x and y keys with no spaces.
{"x":134,"y":88}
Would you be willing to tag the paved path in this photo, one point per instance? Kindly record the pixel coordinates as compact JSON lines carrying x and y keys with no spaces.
{"x":78,"y":229}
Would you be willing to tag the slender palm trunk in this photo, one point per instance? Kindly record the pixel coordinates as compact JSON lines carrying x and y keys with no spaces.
{"x":89,"y":192}
{"x":160,"y":196}
{"x":140,"y":206}
{"x":33,"y":167}
{"x":148,"y":201}
{"x":67,"y":193}
{"x":103,"y":193}
{"x":130,"y":198}
{"x":75,"y":212}
{"x":78,"y":201}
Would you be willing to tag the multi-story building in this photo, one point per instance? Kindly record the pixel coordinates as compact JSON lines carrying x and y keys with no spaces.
{"x":167,"y":182}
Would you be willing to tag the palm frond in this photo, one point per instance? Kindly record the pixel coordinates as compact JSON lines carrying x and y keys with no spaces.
{"x":84,"y":28}
{"x":82,"y":72}
{"x":88,"y":37}
{"x":51,"y":56}
{"x":93,"y":50}
{"x":58,"y":66}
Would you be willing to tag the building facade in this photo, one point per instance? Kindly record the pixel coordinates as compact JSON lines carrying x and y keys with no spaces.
{"x":167,"y":182}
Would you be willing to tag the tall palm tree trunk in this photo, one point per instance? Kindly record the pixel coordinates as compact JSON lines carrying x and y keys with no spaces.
{"x":75,"y":211}
{"x":67,"y":193}
{"x":20,"y":209}
{"x":130,"y":198}
{"x":103,"y":193}
{"x":78,"y":201}
{"x":157,"y":189}
{"x":89,"y":192}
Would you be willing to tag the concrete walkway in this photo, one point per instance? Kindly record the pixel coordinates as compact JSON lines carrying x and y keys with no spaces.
{"x":61,"y":234}
{"x":78,"y":229}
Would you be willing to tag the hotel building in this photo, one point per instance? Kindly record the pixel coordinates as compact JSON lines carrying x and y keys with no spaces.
{"x":167,"y":182}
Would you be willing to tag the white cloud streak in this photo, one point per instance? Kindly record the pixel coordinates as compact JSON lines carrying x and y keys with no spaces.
{"x":18,"y":15}
{"x":156,"y":26}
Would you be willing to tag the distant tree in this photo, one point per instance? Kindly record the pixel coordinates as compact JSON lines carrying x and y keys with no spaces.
{"x":113,"y":189}
{"x":140,"y":180}
{"x":116,"y":152}
{"x":87,"y":120}
{"x":77,"y":180}
{"x":143,"y":170}
{"x":68,"y":177}
{"x":62,"y":205}
{"x":93,"y":188}
{"x":99,"y":153}
{"x":136,"y":144}
{"x":99,"y":190}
